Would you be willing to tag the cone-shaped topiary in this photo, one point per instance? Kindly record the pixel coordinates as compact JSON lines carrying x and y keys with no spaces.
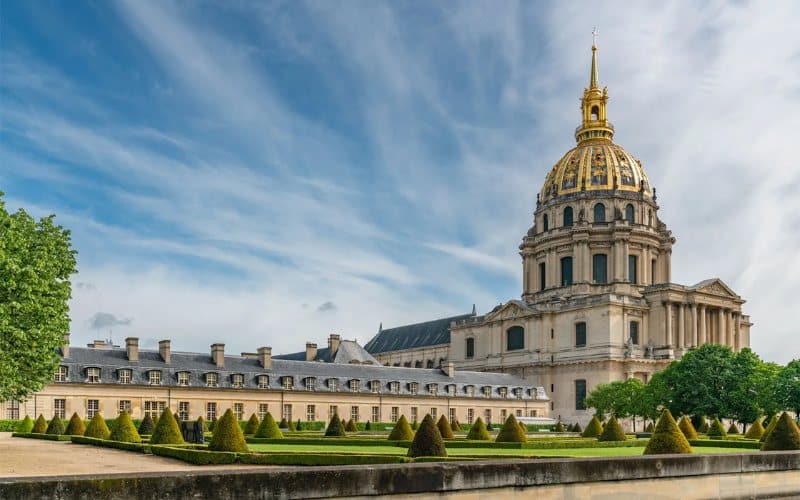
{"x":649,"y":427}
{"x":717,"y":430}
{"x":284,"y":424}
{"x":268,"y":428}
{"x":124,"y":430}
{"x":298,"y":426}
{"x":577,"y":427}
{"x":415,"y":425}
{"x":444,"y":428}
{"x":427,"y":441}
{"x":523,"y":427}
{"x":756,"y":430}
{"x":733,"y":429}
{"x":228,"y":435}
{"x":511,"y":433}
{"x":335,"y":427}
{"x":785,"y":435}
{"x":40,"y":426}
{"x":147,"y":425}
{"x":594,"y":429}
{"x":211,"y":425}
{"x":252,"y":425}
{"x":559,"y":427}
{"x":478,"y":431}
{"x":771,"y":425}
{"x":667,"y":437}
{"x":25,"y":425}
{"x":177,"y":417}
{"x":56,"y":426}
{"x":200,"y":421}
{"x":687,"y":428}
{"x":351,"y":426}
{"x":167,"y":430}
{"x":704,"y":428}
{"x":75,"y":426}
{"x":613,"y":431}
{"x":97,"y":428}
{"x":489,"y":426}
{"x":402,"y":431}
{"x":367,"y":426}
{"x":455,"y":426}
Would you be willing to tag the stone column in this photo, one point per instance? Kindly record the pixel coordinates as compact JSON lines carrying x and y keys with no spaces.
{"x":729,"y":328}
{"x":721,"y":326}
{"x":738,"y":332}
{"x":668,"y":324}
{"x":681,"y":327}
{"x":694,"y":325}
{"x":645,"y":265}
{"x":703,"y":338}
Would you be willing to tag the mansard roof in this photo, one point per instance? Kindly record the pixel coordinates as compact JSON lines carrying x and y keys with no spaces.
{"x":348,"y":352}
{"x":428,"y":333}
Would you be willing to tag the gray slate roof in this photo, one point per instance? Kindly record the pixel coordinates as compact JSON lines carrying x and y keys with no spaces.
{"x":349,"y":352}
{"x":110,"y":361}
{"x":428,"y":333}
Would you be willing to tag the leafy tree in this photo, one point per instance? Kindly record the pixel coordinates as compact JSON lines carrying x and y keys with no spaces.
{"x":268,"y":428}
{"x":402,"y":431}
{"x":753,"y":390}
{"x":427,"y":441}
{"x":478,"y":432}
{"x":655,"y":396}
{"x":787,"y":387}
{"x":228,"y":435}
{"x":621,"y":399}
{"x":699,"y":383}
{"x":36,"y":262}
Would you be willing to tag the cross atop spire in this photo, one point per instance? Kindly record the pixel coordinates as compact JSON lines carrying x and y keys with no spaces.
{"x":593,"y":80}
{"x":594,"y":36}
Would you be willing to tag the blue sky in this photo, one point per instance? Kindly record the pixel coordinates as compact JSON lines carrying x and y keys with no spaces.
{"x":266,"y":173}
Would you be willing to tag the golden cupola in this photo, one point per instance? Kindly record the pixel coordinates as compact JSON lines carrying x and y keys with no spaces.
{"x":596,"y":163}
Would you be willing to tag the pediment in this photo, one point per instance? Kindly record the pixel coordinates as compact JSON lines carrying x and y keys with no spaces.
{"x":512,"y":309}
{"x":715,"y":287}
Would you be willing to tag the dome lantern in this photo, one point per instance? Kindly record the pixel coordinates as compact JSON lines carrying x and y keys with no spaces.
{"x":595,"y":125}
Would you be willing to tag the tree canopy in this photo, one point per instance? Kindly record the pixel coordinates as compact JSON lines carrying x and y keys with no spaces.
{"x":36,"y":262}
{"x":787,"y":387}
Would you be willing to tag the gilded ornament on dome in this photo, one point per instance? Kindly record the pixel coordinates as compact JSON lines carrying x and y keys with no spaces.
{"x":599,"y":168}
{"x":570,"y":179}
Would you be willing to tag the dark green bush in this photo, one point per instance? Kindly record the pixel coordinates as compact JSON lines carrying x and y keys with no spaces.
{"x":97,"y":428}
{"x":717,"y":443}
{"x":123,"y":430}
{"x":559,"y":427}
{"x":716,"y":430}
{"x":335,"y":427}
{"x":414,"y":425}
{"x":56,"y":426}
{"x":75,"y":426}
{"x":649,"y":428}
{"x":284,"y":424}
{"x":177,"y":418}
{"x":351,"y":426}
{"x":478,"y":432}
{"x":703,"y":428}
{"x":200,"y":420}
{"x":40,"y":426}
{"x":252,"y":424}
{"x":577,"y":427}
{"x":25,"y":425}
{"x":733,"y":429}
{"x":444,"y":428}
{"x":756,"y":430}
{"x":367,"y":427}
{"x":210,"y":425}
{"x":147,"y":425}
{"x":196,"y":457}
{"x":594,"y":429}
{"x":455,"y":426}
{"x":784,"y":436}
{"x":667,"y":437}
{"x":771,"y":425}
{"x":107,"y":443}
{"x":268,"y":428}
{"x":228,"y":435}
{"x":510,"y":432}
{"x":687,"y":428}
{"x":167,"y":430}
{"x":46,"y":437}
{"x":292,"y":428}
{"x":613,"y":431}
{"x":402,"y":431}
{"x":427,"y":441}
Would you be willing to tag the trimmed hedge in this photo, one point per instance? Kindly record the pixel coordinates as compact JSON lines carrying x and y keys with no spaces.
{"x":335,"y":427}
{"x":593,"y":429}
{"x":577,"y":427}
{"x":455,"y":426}
{"x":717,"y":443}
{"x":687,"y":428}
{"x":107,"y":443}
{"x":97,"y":428}
{"x":444,"y":428}
{"x":733,"y":429}
{"x":40,"y":426}
{"x":228,"y":435}
{"x":649,"y":428}
{"x":123,"y":430}
{"x":252,"y":424}
{"x":328,"y":441}
{"x":46,"y":437}
{"x":511,"y":433}
{"x":351,"y":426}
{"x":478,"y":431}
{"x":559,"y":427}
{"x":772,"y":423}
{"x":428,"y":441}
{"x":716,"y":430}
{"x":24,"y":426}
{"x":55,"y":427}
{"x":667,"y":437}
{"x":268,"y":428}
{"x":402,"y":431}
{"x":319,"y":459}
{"x":196,"y":457}
{"x":756,"y":430}
{"x":703,"y":428}
{"x":784,"y":436}
{"x":167,"y":430}
{"x":75,"y":426}
{"x":147,"y":426}
{"x":613,"y":431}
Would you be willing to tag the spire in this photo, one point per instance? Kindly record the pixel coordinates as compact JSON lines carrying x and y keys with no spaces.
{"x":593,"y":80}
{"x":594,"y":124}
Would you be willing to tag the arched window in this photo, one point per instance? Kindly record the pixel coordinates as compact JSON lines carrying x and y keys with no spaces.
{"x":566,"y":271}
{"x":470,"y":348}
{"x":568,"y":217}
{"x":545,"y":223}
{"x":515,"y":338}
{"x":595,"y":113}
{"x":418,"y":364}
{"x":629,"y":214}
{"x":600,"y":268}
{"x":599,"y":213}
{"x":429,"y":364}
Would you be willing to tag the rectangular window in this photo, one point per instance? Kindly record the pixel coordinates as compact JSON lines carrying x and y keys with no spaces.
{"x":263,"y":408}
{"x":61,"y":374}
{"x":600,"y":268}
{"x":155,"y":378}
{"x":125,"y":377}
{"x":533,"y":413}
{"x":154,"y":408}
{"x":375,"y":386}
{"x":124,"y":405}
{"x":542,"y":277}
{"x":653,"y":272}
{"x":487,"y":415}
{"x":580,"y":334}
{"x":355,"y":385}
{"x":183,"y":379}
{"x":394,"y":387}
{"x":333,"y":410}
{"x":354,"y":413}
{"x":183,"y":410}
{"x":515,"y":338}
{"x":211,"y":411}
{"x":92,"y":407}
{"x":211,"y":379}
{"x":12,"y":410}
{"x":503,"y":392}
{"x":311,"y":413}
{"x":412,"y":387}
{"x":632,"y":261}
{"x":60,"y":408}
{"x":376,"y":413}
{"x":451,"y":414}
{"x":552,"y":388}
{"x":414,"y":414}
{"x":470,"y":391}
{"x":433,"y":413}
{"x":470,"y":415}
{"x":451,"y":390}
{"x":287,"y":412}
{"x":503,"y":415}
{"x":470,"y":348}
{"x":93,"y":375}
{"x":634,"y":327}
{"x":580,"y":394}
{"x":238,"y":410}
{"x":288,"y":382}
{"x":311,"y":383}
{"x":487,"y":391}
{"x":566,"y":271}
{"x":263,"y":382}
{"x":237,"y":380}
{"x":433,"y":389}
{"x":395,"y":411}
{"x":519,"y":413}
{"x":333,"y":384}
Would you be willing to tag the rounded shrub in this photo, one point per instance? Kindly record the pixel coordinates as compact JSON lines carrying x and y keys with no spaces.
{"x":510,"y":432}
{"x":97,"y":428}
{"x":56,"y":426}
{"x":40,"y":426}
{"x":716,"y":431}
{"x":613,"y":431}
{"x":577,"y":427}
{"x":25,"y":425}
{"x":785,"y":435}
{"x":733,"y":429}
{"x":593,"y":429}
{"x":559,"y":427}
{"x":402,"y":431}
{"x":478,"y":431}
{"x":427,"y":441}
{"x":687,"y":428}
{"x":444,"y":428}
{"x":146,"y":426}
{"x":167,"y":430}
{"x":335,"y":427}
{"x":252,"y":425}
{"x":268,"y":428}
{"x":124,"y":430}
{"x":756,"y":430}
{"x":351,"y":426}
{"x":284,"y":424}
{"x":771,"y":425}
{"x":649,"y":427}
{"x":228,"y":435}
{"x":75,"y":426}
{"x":667,"y":437}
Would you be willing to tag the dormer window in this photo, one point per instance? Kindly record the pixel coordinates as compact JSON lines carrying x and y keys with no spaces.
{"x":211,"y":379}
{"x":451,"y":390}
{"x":503,"y":391}
{"x":470,"y":390}
{"x":519,"y":392}
{"x":433,"y":389}
{"x":154,"y":377}
{"x":61,"y":374}
{"x":333,"y":384}
{"x":183,"y":379}
{"x":288,"y":383}
{"x":355,"y":385}
{"x":413,"y":387}
{"x":487,"y":391}
{"x":311,"y":383}
{"x":237,"y":380}
{"x":394,"y":387}
{"x":375,"y":385}
{"x":263,"y":382}
{"x":93,"y":375}
{"x":124,"y":376}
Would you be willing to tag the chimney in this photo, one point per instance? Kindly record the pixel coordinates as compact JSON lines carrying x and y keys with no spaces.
{"x":218,"y":355}
{"x":450,"y":370}
{"x":163,"y":350}
{"x":132,"y":348}
{"x":333,"y":344}
{"x":311,"y":351}
{"x":65,"y":346}
{"x":265,"y":357}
